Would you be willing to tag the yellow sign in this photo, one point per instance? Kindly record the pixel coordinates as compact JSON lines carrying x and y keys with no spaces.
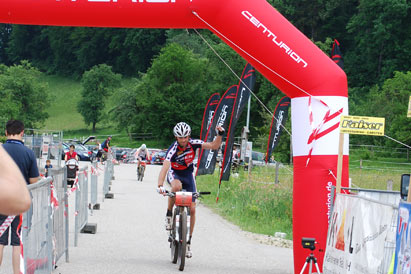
{"x":362,"y":125}
{"x":409,"y":108}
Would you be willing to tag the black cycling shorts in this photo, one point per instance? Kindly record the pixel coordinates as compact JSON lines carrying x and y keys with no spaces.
{"x":15,"y":240}
{"x":186,"y":179}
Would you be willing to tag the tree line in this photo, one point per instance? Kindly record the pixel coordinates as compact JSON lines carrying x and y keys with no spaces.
{"x":173,"y":72}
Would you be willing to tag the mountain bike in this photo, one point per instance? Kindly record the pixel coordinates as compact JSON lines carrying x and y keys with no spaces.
{"x":140,"y":171}
{"x":180,"y":228}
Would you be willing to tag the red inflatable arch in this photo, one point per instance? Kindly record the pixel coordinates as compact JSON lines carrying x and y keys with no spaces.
{"x":264,"y":38}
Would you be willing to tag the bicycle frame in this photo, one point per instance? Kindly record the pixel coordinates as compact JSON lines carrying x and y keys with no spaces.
{"x":183,"y":200}
{"x":179,"y":234}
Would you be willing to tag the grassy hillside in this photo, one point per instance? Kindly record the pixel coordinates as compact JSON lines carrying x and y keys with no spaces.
{"x":63,"y":114}
{"x":65,"y":94}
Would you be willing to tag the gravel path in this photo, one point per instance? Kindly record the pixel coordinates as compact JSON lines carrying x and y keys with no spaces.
{"x":131,"y":237}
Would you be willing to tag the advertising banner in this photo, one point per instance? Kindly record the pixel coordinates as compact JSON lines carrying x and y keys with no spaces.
{"x":209,"y":114}
{"x":247,"y":82}
{"x":336,"y":54}
{"x":402,"y":263}
{"x":279,"y":119}
{"x":356,"y":236}
{"x":362,"y":125}
{"x":221,"y":117}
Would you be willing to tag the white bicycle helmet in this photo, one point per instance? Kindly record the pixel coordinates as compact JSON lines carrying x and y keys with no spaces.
{"x":182,"y":130}
{"x":143,"y":146}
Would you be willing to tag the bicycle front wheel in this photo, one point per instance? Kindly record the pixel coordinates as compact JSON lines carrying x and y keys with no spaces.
{"x":183,"y":240}
{"x":174,"y":243}
{"x":143,"y":169}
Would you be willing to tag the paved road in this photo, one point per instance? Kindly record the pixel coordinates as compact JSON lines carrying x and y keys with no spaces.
{"x":131,"y":237}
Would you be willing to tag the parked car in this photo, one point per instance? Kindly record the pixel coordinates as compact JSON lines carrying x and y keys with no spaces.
{"x":93,"y":149}
{"x":131,"y":157}
{"x":83,"y":153}
{"x":158,"y":157}
{"x":258,"y":159}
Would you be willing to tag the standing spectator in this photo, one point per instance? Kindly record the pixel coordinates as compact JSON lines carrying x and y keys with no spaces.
{"x":47,"y":167}
{"x":106,"y":147}
{"x":26,"y":161}
{"x":99,"y":152}
{"x":71,"y":154}
{"x":106,"y":144}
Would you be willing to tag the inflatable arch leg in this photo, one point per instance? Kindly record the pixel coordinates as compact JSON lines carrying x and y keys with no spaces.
{"x":279,"y":51}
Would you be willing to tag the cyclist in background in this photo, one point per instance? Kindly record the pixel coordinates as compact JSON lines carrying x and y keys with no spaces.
{"x":105,"y":146}
{"x":142,"y":154}
{"x":179,"y":168}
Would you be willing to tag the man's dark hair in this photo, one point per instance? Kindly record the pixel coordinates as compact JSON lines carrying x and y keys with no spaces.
{"x":72,"y":146}
{"x":14,"y":127}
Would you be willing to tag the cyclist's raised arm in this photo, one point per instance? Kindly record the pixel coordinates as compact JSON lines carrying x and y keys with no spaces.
{"x":163,"y":173}
{"x":217,"y":141}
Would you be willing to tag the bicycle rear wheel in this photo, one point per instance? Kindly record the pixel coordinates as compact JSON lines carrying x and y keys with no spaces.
{"x":174,"y":243}
{"x":183,"y":241}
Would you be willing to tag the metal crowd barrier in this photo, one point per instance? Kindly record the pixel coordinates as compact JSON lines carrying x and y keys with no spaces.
{"x":385,"y":197}
{"x":45,"y":227}
{"x":60,"y":216}
{"x":108,"y":175}
{"x":37,"y":232}
{"x":94,"y":205}
{"x":81,"y":207}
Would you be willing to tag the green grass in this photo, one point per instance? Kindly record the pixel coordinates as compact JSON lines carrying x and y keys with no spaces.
{"x":65,"y":94}
{"x":257,"y":205}
{"x":63,"y":115}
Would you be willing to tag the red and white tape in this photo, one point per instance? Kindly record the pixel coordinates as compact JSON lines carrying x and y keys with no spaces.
{"x":53,"y":197}
{"x":6,"y":224}
{"x":94,"y":171}
{"x":22,"y":265}
{"x":74,"y":187}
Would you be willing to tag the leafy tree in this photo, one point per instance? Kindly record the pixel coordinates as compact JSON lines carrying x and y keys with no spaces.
{"x":171,"y":91}
{"x":64,"y":60}
{"x":5,"y":30}
{"x":381,"y":41}
{"x":29,"y":43}
{"x":126,"y":110}
{"x":23,"y":95}
{"x":98,"y":83}
{"x":391,"y":101}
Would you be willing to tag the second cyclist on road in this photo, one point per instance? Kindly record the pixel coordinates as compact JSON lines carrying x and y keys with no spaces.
{"x":142,"y":155}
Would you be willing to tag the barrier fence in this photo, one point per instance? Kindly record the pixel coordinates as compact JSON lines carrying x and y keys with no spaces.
{"x":391,"y":198}
{"x":36,"y":230}
{"x":45,"y":226}
{"x":108,"y":175}
{"x":81,"y":204}
{"x":46,"y":144}
{"x":60,"y":214}
{"x":94,"y":186}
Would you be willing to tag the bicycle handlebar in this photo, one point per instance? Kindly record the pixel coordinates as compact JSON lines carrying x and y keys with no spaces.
{"x":195,"y":194}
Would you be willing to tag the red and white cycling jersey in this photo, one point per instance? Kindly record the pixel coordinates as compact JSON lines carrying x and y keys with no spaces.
{"x":182,"y":159}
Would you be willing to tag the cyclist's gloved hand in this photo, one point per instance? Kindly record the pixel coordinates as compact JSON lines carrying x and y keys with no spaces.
{"x":220,"y":130}
{"x":161,"y":190}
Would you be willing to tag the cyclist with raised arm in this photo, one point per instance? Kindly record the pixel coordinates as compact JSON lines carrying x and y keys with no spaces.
{"x":179,"y":168}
